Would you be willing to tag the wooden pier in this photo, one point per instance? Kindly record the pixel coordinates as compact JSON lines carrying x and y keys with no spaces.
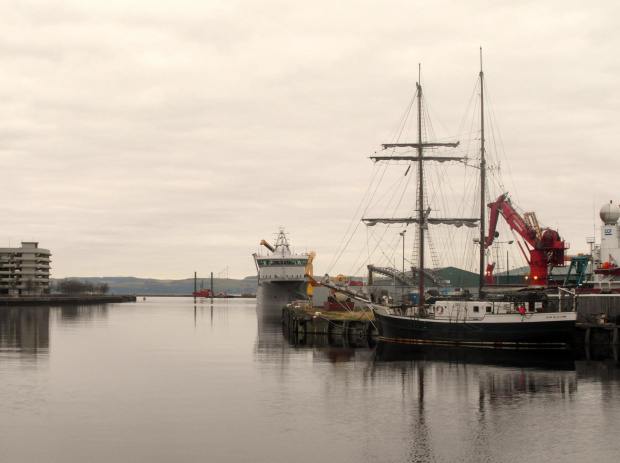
{"x":605,"y":334}
{"x":349,"y":327}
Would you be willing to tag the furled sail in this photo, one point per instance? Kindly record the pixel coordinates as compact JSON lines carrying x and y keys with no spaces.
{"x":470,"y":223}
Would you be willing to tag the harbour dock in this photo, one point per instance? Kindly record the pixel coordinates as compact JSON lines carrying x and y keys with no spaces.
{"x":300,"y":322}
{"x":352,"y":328}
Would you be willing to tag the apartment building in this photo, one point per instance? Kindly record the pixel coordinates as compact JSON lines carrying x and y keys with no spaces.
{"x":25,"y":271}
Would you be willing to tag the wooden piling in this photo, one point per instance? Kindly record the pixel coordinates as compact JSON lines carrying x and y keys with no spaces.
{"x":596,"y":333}
{"x":301,"y":323}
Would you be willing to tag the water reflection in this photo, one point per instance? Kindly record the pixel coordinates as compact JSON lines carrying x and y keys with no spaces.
{"x":270,"y":341}
{"x":169,"y":380}
{"x":328,"y":340}
{"x":476,"y":396}
{"x":552,"y":359}
{"x":268,"y":314}
{"x":423,"y":403}
{"x":72,"y":314}
{"x":594,"y":352}
{"x":25,"y":329}
{"x":499,"y":373}
{"x":200,"y":303}
{"x":599,"y":364}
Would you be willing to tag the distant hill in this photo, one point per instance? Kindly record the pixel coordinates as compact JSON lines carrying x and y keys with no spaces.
{"x":145,"y":286}
{"x":132,"y":285}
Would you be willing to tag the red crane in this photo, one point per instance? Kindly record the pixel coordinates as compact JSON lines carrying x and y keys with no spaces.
{"x":546,"y":248}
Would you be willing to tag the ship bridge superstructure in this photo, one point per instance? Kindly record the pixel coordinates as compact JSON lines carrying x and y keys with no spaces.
{"x":281,"y":264}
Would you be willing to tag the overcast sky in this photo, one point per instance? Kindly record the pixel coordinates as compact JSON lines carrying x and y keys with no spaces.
{"x":155,"y":138}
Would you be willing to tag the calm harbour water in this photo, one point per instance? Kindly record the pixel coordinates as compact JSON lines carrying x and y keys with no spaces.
{"x":167,"y":380}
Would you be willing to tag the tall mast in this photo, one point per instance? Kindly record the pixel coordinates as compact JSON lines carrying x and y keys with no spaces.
{"x":482,"y":182}
{"x":422,"y":218}
{"x":420,"y":202}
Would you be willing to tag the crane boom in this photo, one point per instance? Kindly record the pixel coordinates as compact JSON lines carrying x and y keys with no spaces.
{"x":546,"y":248}
{"x":268,"y":246}
{"x":532,"y":221}
{"x":502,"y":206}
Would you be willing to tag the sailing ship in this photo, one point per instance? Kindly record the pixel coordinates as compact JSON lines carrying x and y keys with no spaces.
{"x":281,"y":276}
{"x":524,"y":318}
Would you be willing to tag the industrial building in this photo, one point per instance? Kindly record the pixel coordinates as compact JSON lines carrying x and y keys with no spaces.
{"x":25,"y":271}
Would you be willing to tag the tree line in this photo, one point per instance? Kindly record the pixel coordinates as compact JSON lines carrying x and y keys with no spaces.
{"x":81,"y":287}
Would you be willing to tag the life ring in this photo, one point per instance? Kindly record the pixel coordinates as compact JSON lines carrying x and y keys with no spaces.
{"x":439,"y":309}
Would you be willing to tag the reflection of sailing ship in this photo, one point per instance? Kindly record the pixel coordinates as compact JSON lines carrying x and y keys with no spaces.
{"x":468,"y":395}
{"x":25,"y":329}
{"x":550,"y":359}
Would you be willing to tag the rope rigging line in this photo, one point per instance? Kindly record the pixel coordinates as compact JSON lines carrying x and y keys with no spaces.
{"x":389,"y":198}
{"x":355,"y":218}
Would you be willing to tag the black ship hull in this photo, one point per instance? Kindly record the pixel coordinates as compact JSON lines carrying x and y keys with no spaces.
{"x":551,"y":330}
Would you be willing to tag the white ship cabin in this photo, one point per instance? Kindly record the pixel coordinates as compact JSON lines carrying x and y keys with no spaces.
{"x":477,"y":310}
